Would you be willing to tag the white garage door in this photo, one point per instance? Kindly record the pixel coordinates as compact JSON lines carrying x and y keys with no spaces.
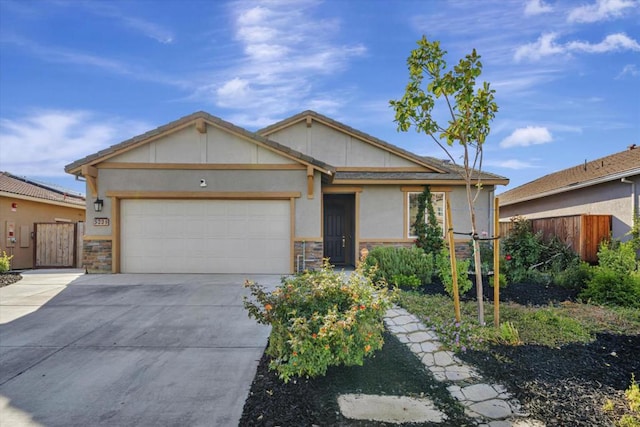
{"x":205,"y":236}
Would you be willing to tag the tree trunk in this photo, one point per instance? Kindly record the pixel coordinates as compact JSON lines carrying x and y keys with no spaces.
{"x":476,"y":255}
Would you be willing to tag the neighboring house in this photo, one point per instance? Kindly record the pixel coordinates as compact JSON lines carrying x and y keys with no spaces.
{"x":203,"y":195}
{"x":23,"y":203}
{"x":606,"y":186}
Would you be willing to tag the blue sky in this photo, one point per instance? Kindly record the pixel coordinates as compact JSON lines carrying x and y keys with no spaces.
{"x":77,"y":76}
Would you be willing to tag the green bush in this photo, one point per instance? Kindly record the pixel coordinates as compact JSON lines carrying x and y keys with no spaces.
{"x":575,"y":276}
{"x":611,"y":287}
{"x":406,"y":282}
{"x":443,"y":267}
{"x":5,"y":262}
{"x":616,"y":256}
{"x":320,"y":319}
{"x":392,"y":261}
{"x":529,"y":259}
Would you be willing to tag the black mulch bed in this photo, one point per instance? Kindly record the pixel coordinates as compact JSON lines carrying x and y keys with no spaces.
{"x":7,"y":279}
{"x":565,"y":386}
{"x":393,"y":371}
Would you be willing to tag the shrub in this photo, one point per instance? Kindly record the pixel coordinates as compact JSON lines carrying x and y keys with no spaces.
{"x":632,"y":394}
{"x":406,"y":282}
{"x":429,"y":232}
{"x":611,"y":287}
{"x":443,"y":267}
{"x":320,"y":319}
{"x":529,"y":259}
{"x":508,"y":334}
{"x":5,"y":262}
{"x":575,"y":276}
{"x":392,"y":261}
{"x":616,"y":256}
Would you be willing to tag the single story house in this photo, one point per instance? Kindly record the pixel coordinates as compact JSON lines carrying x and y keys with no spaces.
{"x":25,"y":203}
{"x":202,"y":195}
{"x":605,"y":186}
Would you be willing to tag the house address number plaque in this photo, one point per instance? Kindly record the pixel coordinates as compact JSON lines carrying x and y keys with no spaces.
{"x":101,"y":222}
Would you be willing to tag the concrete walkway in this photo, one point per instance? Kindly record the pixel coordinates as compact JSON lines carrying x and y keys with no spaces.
{"x":491,"y":405}
{"x":126,"y":350}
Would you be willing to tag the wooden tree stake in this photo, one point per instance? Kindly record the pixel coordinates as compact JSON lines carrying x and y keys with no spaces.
{"x":496,"y":263}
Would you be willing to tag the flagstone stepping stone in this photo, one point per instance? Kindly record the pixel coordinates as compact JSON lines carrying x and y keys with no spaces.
{"x":389,"y":409}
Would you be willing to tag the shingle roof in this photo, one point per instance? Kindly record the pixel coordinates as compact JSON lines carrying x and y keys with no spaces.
{"x":22,"y":186}
{"x":603,"y":169}
{"x":114,"y":149}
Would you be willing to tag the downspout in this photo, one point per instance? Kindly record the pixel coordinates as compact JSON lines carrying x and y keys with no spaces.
{"x":633,"y":198}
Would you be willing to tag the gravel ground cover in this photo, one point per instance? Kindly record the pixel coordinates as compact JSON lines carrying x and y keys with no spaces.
{"x":7,"y":279}
{"x":566,"y":386}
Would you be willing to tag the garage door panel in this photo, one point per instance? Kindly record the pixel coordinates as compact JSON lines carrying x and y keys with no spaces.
{"x":205,"y":236}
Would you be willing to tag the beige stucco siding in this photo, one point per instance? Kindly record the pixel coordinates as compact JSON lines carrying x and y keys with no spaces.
{"x":381,"y":212}
{"x":190,"y":146}
{"x":26,"y":214}
{"x":307,"y":210}
{"x":610,"y":198}
{"x":335,"y":147}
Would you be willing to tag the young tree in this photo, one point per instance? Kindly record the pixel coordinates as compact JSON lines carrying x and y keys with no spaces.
{"x":470,"y":109}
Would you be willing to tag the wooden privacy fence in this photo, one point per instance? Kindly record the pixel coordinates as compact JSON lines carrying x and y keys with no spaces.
{"x":56,"y":245}
{"x":583,"y":233}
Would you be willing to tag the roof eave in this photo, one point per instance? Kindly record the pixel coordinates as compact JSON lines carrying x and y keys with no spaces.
{"x":566,"y":189}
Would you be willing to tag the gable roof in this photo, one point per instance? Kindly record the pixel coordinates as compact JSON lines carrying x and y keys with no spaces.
{"x":11,"y":185}
{"x":423,"y":161}
{"x":609,"y":168}
{"x":441,"y":170}
{"x":191,"y":119}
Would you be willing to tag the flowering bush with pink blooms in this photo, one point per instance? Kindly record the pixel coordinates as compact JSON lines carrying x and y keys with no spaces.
{"x":320,"y":319}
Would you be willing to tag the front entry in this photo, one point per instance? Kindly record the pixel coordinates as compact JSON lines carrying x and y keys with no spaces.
{"x":339,"y":220}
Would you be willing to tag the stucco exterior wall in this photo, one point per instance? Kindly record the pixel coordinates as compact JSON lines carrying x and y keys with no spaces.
{"x":336,"y":148}
{"x":382,"y":212}
{"x":610,"y":198}
{"x":148,"y":180}
{"x":27,"y":213}
{"x":190,"y":146}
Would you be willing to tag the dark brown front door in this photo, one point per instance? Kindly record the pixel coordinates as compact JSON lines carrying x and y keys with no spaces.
{"x":338,"y":228}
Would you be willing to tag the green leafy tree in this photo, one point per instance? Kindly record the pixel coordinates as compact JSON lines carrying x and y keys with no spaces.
{"x":470,"y":109}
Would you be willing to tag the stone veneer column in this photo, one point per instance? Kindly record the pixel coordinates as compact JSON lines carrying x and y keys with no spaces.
{"x":313,"y":255}
{"x":97,"y":256}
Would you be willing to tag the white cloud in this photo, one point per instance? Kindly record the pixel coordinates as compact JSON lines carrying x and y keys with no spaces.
{"x":546,"y":46}
{"x":41,"y":144}
{"x":536,"y":7}
{"x":510,"y":164}
{"x":612,"y":42}
{"x":530,"y":135}
{"x":629,"y":70}
{"x":145,"y":27}
{"x":286,"y":52}
{"x":601,"y":10}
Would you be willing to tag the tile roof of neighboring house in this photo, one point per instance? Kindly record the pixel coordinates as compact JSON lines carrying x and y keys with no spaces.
{"x":24,"y":187}
{"x":615,"y":166}
{"x":74,"y":167}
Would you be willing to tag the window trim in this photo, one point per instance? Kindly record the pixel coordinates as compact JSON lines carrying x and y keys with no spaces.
{"x":408,"y":224}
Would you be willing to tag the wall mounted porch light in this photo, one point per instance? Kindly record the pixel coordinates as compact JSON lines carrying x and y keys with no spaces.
{"x":97,"y":205}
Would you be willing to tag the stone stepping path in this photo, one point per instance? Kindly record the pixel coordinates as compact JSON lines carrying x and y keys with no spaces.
{"x":491,"y":405}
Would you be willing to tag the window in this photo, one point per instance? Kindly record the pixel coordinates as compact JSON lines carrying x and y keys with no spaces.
{"x":437,"y":199}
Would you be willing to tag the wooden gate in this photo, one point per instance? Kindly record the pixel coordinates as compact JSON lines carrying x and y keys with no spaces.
{"x":55,"y":245}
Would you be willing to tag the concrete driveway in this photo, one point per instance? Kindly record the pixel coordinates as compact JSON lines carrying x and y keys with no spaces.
{"x":125,"y":350}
